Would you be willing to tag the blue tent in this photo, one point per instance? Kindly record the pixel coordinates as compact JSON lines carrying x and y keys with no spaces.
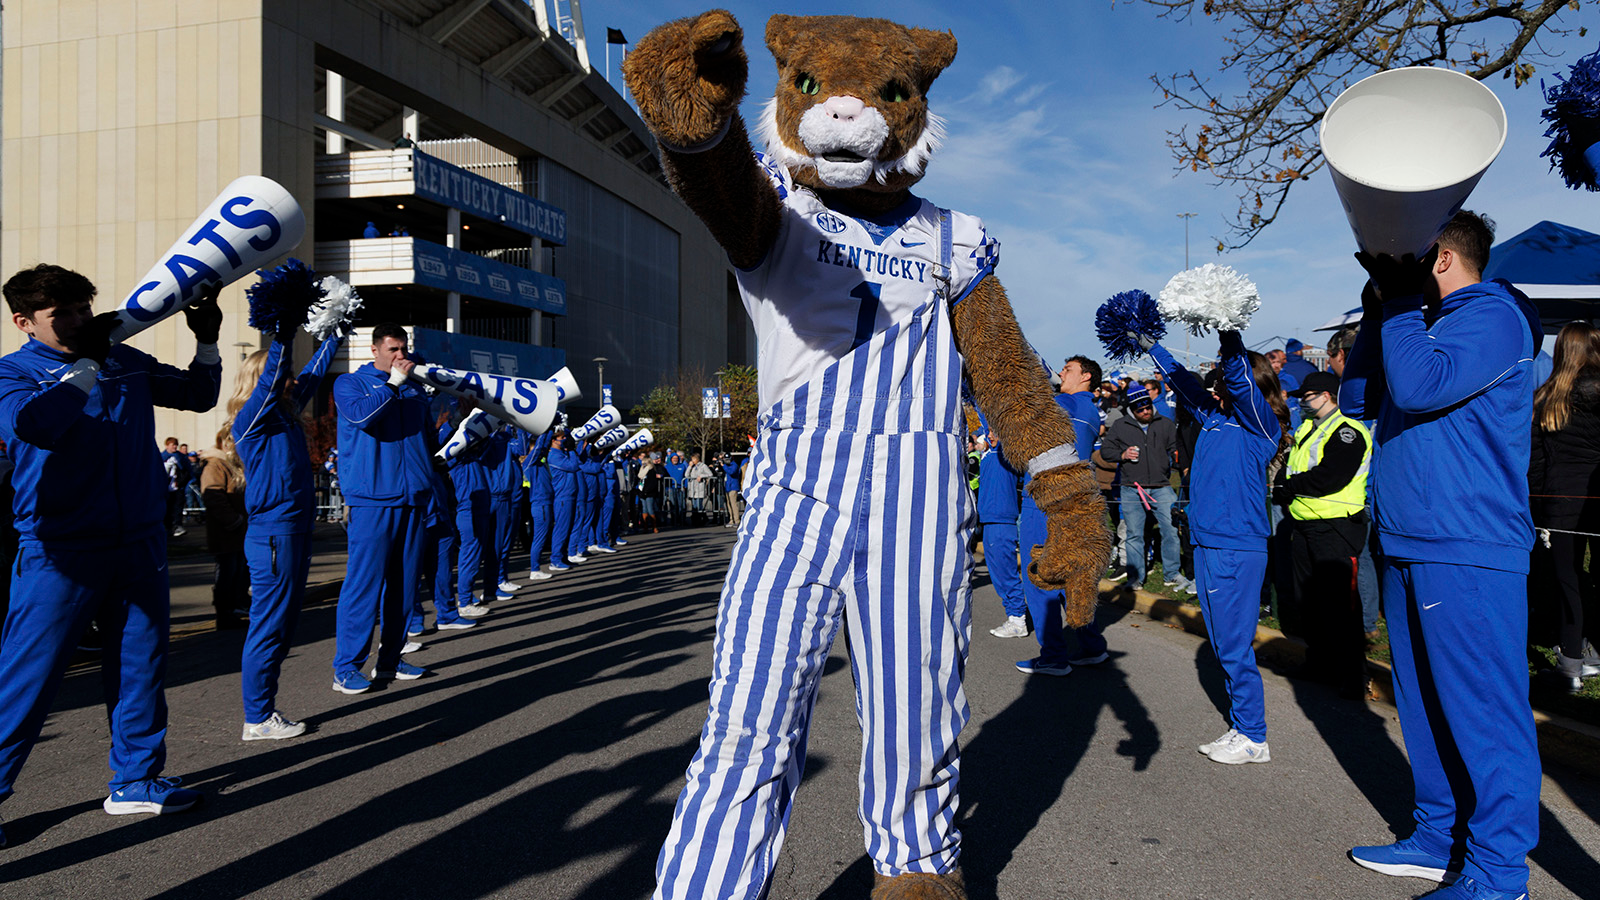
{"x":1557,"y":266}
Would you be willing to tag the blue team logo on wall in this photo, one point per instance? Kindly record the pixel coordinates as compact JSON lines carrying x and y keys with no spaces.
{"x":830,"y":223}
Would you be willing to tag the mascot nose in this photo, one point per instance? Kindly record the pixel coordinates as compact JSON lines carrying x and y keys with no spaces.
{"x":845,"y":108}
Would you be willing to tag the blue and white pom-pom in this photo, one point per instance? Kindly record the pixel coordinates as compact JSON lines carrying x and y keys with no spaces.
{"x":278,"y":302}
{"x":1574,"y":101}
{"x":333,"y":312}
{"x":1209,"y":297}
{"x":1130,"y":311}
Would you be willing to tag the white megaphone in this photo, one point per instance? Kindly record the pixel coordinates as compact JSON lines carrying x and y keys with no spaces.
{"x":637,"y":442}
{"x":1405,"y":148}
{"x":528,"y":403}
{"x":252,"y":222}
{"x":477,"y":425}
{"x":605,"y":418}
{"x":566,"y":386}
{"x":611,"y":438}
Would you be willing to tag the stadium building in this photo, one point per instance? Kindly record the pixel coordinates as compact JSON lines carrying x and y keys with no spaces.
{"x":460,"y":161}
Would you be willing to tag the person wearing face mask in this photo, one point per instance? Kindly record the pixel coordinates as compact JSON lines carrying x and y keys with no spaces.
{"x":1326,"y":490}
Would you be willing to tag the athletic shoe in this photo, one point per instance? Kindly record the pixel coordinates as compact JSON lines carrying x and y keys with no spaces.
{"x":1117,"y":575}
{"x":1575,"y":668}
{"x":602,"y":548}
{"x":507,"y":587}
{"x":275,"y":728}
{"x":180,"y":531}
{"x":619,"y":542}
{"x":472,"y":610}
{"x":410,"y":647}
{"x":537,"y":575}
{"x":351,"y":682}
{"x":417,"y":633}
{"x":1013,"y":626}
{"x":403,"y":671}
{"x":1182,"y":585}
{"x":1404,"y":859}
{"x":579,"y":558}
{"x":558,"y":568}
{"x":457,"y":624}
{"x":1089,"y":659}
{"x":1466,"y":888}
{"x":152,"y":795}
{"x":1590,"y":656}
{"x":1239,"y":750}
{"x":504,"y":597}
{"x":1205,"y":749}
{"x":1041,"y":666}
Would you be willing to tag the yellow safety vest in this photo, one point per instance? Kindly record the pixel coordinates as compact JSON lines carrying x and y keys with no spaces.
{"x":1307,"y":452}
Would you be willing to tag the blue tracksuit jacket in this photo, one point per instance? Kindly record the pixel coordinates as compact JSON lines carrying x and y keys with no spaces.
{"x":1465,"y":373}
{"x":536,"y":470}
{"x":88,"y":471}
{"x":278,"y":491}
{"x":999,"y":490}
{"x":1228,"y":483}
{"x":383,"y":440}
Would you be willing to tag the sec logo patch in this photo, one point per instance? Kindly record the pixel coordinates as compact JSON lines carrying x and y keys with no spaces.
{"x":830,"y":223}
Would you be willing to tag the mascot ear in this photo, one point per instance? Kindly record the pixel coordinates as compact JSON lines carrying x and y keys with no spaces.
{"x":935,"y":51}
{"x":781,"y":33}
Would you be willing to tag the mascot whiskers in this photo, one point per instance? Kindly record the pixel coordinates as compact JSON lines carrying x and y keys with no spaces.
{"x":870,"y":305}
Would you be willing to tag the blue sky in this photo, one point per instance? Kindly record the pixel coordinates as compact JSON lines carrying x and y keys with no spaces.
{"x":1057,"y":143}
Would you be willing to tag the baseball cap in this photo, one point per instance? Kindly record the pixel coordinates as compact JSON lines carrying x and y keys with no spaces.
{"x":1317,"y":382}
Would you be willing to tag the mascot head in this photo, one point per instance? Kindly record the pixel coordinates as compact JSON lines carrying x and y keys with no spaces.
{"x":851,"y":109}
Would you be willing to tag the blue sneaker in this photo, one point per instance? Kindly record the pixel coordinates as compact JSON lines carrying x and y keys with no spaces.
{"x":559,"y":568}
{"x":456,"y":624}
{"x":1464,"y":888}
{"x":619,"y":542}
{"x":1041,"y":666}
{"x":1404,"y":859}
{"x":351,"y":682}
{"x":152,"y":795}
{"x":403,"y":671}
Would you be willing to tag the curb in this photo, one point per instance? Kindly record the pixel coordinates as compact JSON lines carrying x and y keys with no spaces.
{"x":1574,"y":743}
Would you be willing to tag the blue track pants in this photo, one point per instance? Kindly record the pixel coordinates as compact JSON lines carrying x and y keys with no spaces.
{"x":608,"y":514}
{"x":582,"y":518}
{"x":475,"y":556}
{"x":1458,"y":635}
{"x":1046,"y":607}
{"x":540,"y":513}
{"x":380,"y":585}
{"x":504,"y":507}
{"x":1000,"y":557}
{"x":561,"y":524}
{"x":1228,"y":586}
{"x":279,"y":567}
{"x":54,"y":594}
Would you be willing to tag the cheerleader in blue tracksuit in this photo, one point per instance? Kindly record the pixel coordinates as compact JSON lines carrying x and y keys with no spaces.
{"x":541,"y":502}
{"x":1242,"y":429}
{"x":563,"y":463}
{"x":999,"y":506}
{"x":582,"y":504}
{"x":282,"y":502}
{"x":475,"y":521}
{"x":505,"y":482}
{"x":594,"y":469}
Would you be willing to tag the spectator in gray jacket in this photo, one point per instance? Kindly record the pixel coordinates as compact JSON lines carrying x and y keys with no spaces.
{"x":1145,"y":445}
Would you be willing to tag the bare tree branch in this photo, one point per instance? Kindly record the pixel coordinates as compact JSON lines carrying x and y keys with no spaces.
{"x":1296,"y":56}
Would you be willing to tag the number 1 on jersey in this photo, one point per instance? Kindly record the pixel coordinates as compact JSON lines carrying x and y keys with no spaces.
{"x":868,"y":293}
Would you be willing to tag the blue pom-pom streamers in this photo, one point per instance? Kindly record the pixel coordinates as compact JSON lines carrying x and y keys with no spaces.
{"x":1133,"y":311}
{"x":280,"y":300}
{"x":1574,"y":117}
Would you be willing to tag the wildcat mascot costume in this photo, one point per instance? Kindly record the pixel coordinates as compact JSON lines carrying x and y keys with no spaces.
{"x":871,"y":307}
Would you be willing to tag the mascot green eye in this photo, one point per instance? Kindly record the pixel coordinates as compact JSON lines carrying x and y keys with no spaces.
{"x":807,"y":84}
{"x":894,"y":92}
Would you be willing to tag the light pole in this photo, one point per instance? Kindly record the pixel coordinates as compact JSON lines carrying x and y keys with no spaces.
{"x":719,"y":410}
{"x":1186,"y":216}
{"x":600,"y":367}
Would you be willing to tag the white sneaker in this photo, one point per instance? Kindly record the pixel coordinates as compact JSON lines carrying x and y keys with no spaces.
{"x":508,"y":587}
{"x":598,"y":549}
{"x":1226,"y":737}
{"x":275,"y":728}
{"x":539,"y":575}
{"x":410,"y":647}
{"x":579,"y":558}
{"x":472,"y":610}
{"x":1013,"y":626}
{"x":1238,"y":750}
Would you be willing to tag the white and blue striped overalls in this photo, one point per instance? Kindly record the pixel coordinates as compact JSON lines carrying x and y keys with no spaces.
{"x":857,"y":513}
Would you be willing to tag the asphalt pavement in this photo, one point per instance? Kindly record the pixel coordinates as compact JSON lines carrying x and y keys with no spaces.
{"x":542,"y":757}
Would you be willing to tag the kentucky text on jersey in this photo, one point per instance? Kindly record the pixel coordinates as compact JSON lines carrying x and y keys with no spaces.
{"x":870,"y":261}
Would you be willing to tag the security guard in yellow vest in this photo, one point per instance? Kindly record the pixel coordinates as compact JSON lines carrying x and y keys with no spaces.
{"x":1326,"y":489}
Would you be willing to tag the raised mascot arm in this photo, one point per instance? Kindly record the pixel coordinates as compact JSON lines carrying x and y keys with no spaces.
{"x":1014,"y":395}
{"x":688,"y":77}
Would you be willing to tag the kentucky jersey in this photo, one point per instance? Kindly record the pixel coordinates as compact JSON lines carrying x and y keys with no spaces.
{"x":831,"y":280}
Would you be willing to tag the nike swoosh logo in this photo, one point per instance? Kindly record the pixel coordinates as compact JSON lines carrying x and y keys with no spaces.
{"x":906,"y":243}
{"x":1432,"y":605}
{"x":161,"y":568}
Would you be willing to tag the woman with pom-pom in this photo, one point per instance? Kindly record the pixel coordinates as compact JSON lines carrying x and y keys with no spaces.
{"x":1243,"y":429}
{"x":264,"y":420}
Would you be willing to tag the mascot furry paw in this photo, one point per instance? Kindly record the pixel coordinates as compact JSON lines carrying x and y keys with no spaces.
{"x":871,"y":306}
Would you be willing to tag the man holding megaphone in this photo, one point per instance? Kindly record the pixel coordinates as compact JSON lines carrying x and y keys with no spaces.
{"x":77,"y":417}
{"x":1444,"y":363}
